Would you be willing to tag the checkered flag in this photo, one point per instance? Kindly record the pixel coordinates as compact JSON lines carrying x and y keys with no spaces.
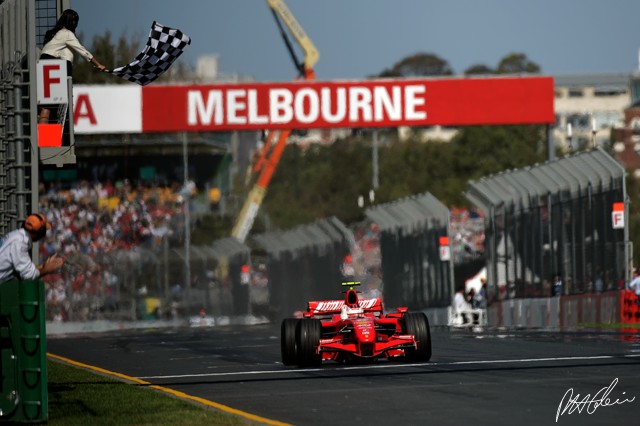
{"x":164,"y":46}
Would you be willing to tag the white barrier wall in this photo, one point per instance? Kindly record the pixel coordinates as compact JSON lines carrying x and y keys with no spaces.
{"x":550,"y":313}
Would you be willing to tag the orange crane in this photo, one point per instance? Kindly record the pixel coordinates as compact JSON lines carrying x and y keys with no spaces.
{"x":270,"y":156}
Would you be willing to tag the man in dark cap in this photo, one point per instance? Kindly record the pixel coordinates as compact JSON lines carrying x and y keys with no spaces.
{"x":15,"y":249}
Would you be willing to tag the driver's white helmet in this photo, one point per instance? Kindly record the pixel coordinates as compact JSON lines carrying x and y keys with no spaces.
{"x":348,"y":312}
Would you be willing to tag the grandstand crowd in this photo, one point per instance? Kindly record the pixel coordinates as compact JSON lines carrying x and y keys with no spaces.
{"x":91,"y":223}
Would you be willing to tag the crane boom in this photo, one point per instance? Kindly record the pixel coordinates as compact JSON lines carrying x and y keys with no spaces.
{"x":270,"y":157}
{"x":311,"y":54}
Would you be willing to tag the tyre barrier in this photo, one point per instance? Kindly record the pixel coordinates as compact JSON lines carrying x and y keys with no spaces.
{"x":629,"y":308}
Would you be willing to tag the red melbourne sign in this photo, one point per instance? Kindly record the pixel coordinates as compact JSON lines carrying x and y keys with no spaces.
{"x":348,"y":104}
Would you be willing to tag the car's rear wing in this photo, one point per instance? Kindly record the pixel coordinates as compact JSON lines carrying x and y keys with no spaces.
{"x":335,"y":306}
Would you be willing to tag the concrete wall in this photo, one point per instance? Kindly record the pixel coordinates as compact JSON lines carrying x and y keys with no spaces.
{"x":550,"y":313}
{"x":547,"y":313}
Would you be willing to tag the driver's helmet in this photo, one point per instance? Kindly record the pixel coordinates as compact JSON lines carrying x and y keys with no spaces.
{"x":349,"y":312}
{"x":351,"y":306}
{"x":352,"y":299}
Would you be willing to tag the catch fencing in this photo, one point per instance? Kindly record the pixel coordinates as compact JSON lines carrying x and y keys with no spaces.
{"x":152,"y":282}
{"x":303,"y":264}
{"x":550,"y":227}
{"x":161,"y":280}
{"x":414,"y":272}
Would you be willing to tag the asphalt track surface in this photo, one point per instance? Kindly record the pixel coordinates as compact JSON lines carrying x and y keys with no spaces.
{"x":491,"y":377}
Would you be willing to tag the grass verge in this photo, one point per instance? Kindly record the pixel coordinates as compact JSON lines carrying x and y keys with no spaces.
{"x":78,"y":397}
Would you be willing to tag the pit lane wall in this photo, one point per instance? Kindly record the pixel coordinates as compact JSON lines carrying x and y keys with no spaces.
{"x":563,"y":312}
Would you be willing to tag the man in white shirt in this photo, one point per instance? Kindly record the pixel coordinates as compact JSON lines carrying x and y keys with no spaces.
{"x":461,"y":306}
{"x":15,"y":248}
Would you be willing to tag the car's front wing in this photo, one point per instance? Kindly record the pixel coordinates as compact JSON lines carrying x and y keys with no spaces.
{"x":392,"y":347}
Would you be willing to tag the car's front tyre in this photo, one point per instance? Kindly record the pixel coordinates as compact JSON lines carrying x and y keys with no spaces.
{"x":288,"y":345}
{"x":417,"y":324}
{"x":308,"y":335}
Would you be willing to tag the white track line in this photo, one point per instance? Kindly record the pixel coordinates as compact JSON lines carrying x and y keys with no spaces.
{"x":362,"y":367}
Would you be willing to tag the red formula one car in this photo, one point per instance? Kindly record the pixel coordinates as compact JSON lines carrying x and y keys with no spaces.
{"x":354,"y":329}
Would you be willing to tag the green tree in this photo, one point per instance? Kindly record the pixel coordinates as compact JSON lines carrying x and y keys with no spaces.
{"x":411,"y":167}
{"x":479,"y":69}
{"x":419,"y":65}
{"x":110,"y":54}
{"x":485,"y":150}
{"x":323,"y":181}
{"x":517,"y":63}
{"x":317,"y":182}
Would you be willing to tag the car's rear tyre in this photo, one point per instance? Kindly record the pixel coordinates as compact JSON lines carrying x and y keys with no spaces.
{"x":308,"y":335}
{"x":417,"y":324}
{"x":288,"y":346}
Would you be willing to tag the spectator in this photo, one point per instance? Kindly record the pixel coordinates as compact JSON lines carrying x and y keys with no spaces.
{"x":471,"y":300}
{"x":461,"y":306}
{"x":15,"y":259}
{"x":511,"y":290}
{"x":471,"y":295}
{"x":599,"y":286}
{"x":557,"y":285}
{"x":480,"y":299}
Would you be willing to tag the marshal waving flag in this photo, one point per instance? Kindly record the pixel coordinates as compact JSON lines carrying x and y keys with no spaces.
{"x":164,"y":46}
